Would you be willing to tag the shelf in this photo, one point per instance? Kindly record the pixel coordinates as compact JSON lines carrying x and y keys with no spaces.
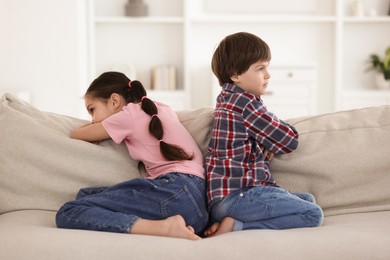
{"x":176,"y":92}
{"x":176,"y":99}
{"x":373,"y":19}
{"x":366,"y":93}
{"x":140,"y":20}
{"x":218,"y":18}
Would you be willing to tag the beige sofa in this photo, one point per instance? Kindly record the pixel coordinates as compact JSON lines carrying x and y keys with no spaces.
{"x":343,"y":159}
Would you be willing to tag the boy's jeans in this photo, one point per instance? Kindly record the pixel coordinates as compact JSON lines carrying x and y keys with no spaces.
{"x":117,"y":208}
{"x":268,"y":207}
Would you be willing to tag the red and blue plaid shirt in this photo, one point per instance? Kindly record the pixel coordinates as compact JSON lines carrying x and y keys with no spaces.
{"x":242,"y":127}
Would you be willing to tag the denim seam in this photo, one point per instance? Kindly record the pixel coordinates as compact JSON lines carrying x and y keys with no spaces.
{"x":191,"y":182}
{"x":189,"y":195}
{"x":130,"y":226}
{"x":122,"y":228}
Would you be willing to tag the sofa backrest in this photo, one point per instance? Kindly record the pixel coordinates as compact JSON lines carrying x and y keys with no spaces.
{"x":341,"y":159}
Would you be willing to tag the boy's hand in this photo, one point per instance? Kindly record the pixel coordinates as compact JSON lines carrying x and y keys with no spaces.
{"x":267,"y":154}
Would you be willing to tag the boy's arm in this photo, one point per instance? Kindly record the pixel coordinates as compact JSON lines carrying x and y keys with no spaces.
{"x":273,"y":134}
{"x":90,"y":132}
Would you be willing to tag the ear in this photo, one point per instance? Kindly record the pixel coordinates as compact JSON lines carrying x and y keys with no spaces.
{"x":115,"y":101}
{"x":235,"y":78}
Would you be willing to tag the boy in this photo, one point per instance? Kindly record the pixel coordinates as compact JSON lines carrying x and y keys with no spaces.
{"x":241,"y":191}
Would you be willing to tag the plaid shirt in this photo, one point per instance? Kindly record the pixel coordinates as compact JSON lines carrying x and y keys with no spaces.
{"x":242,"y":126}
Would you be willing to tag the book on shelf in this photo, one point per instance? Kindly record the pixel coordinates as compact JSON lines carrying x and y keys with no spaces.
{"x":164,"y":77}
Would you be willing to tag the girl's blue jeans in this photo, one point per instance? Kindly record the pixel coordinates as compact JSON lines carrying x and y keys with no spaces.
{"x":268,"y":207}
{"x":117,"y":208}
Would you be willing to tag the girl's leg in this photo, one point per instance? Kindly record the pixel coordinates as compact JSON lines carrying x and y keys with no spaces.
{"x":267,"y":207}
{"x":128,"y":205}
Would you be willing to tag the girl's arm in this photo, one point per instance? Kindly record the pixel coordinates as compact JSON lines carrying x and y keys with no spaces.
{"x":90,"y":132}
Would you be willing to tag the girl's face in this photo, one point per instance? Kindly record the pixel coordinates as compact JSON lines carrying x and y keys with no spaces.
{"x":98,"y":108}
{"x":255,"y":79}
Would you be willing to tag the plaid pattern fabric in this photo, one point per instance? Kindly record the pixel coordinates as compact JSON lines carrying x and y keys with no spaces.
{"x":242,"y":128}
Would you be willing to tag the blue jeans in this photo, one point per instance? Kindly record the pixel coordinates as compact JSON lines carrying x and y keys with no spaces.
{"x":268,"y":207}
{"x":117,"y":208}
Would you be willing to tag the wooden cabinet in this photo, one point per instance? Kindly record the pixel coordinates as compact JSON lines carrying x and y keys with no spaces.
{"x":293,"y":91}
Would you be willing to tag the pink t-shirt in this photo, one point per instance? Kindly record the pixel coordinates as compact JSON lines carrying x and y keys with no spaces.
{"x":131,"y":125}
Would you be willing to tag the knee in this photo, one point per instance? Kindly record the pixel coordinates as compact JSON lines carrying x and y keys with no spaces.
{"x":60,"y":216}
{"x":317,"y":216}
{"x":63,"y":215}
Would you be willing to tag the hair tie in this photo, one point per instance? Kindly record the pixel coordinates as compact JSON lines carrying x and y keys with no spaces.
{"x":159,"y":141}
{"x":154,"y":115}
{"x":129,"y":84}
{"x":142,"y":99}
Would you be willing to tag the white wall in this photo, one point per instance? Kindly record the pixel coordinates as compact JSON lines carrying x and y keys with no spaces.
{"x":41,"y":51}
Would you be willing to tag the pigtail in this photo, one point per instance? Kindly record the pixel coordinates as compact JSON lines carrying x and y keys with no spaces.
{"x":170,"y":152}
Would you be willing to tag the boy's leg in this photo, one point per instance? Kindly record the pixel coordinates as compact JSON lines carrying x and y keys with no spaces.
{"x":267,"y":207}
{"x":305,"y":196}
{"x":89,"y":191}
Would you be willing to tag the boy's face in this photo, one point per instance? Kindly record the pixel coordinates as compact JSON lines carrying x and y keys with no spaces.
{"x":255,"y":79}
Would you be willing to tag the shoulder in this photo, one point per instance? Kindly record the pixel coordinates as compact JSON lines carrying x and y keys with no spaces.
{"x":128,"y":112}
{"x":241,"y":101}
{"x":131,"y":110}
{"x":164,"y":109}
{"x":162,"y":105}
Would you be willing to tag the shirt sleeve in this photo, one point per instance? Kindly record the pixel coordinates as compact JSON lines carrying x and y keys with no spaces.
{"x":271,"y":132}
{"x":118,"y":126}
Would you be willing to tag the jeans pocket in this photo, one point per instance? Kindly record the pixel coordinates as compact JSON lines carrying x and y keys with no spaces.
{"x":182,"y":203}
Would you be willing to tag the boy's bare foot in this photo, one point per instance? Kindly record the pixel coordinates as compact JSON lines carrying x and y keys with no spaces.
{"x":174,"y":226}
{"x":216,"y":229}
{"x":211,"y":230}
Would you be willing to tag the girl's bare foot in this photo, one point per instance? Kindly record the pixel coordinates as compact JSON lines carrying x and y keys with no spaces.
{"x":174,"y":226}
{"x":216,"y":229}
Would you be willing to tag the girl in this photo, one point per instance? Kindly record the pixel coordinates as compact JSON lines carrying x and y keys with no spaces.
{"x":171,"y":200}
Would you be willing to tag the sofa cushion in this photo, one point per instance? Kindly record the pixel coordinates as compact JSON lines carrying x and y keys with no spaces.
{"x":342,"y":158}
{"x":32,"y":235}
{"x":41,"y":167}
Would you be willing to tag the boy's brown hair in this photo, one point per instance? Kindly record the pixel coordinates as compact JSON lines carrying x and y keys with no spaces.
{"x":236,"y":53}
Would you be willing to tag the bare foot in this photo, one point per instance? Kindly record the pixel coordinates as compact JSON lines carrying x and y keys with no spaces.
{"x":174,"y":226}
{"x":211,"y":230}
{"x":220,"y":228}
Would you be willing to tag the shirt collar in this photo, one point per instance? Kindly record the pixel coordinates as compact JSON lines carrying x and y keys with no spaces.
{"x":236,"y":89}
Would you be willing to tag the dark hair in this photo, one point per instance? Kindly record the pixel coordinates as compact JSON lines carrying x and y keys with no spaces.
{"x":133,"y":91}
{"x":236,"y":53}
